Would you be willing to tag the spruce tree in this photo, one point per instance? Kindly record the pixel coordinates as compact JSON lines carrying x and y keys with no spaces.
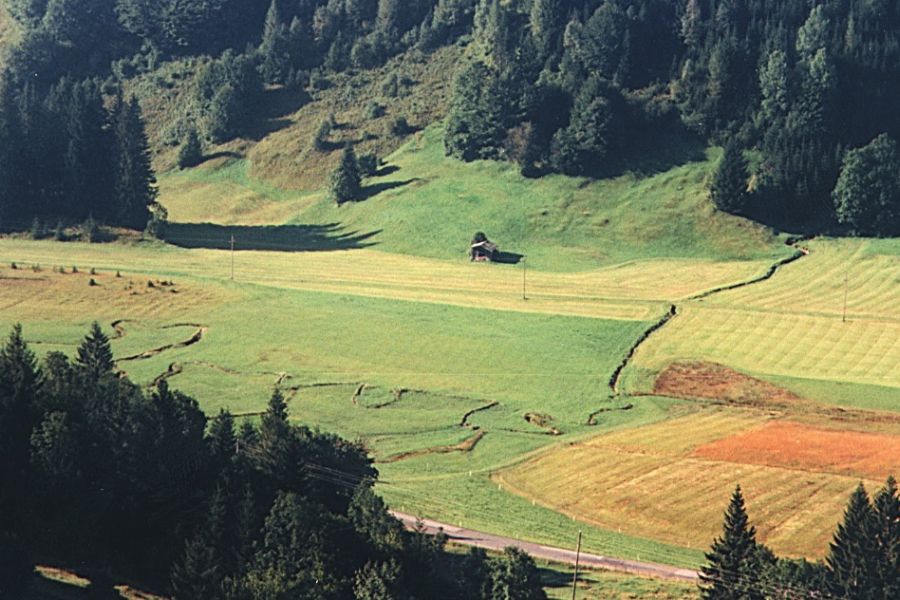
{"x":191,"y":152}
{"x":515,"y":576}
{"x":275,"y":60}
{"x":730,"y":572}
{"x":346,"y":182}
{"x":94,"y":355}
{"x":867,"y":194}
{"x":851,"y":557}
{"x":474,"y":126}
{"x":198,"y":574}
{"x":546,"y":21}
{"x":135,"y":182}
{"x":729,"y":184}
{"x":886,"y":504}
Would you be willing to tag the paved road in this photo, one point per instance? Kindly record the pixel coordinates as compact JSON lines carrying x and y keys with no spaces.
{"x":488,"y":541}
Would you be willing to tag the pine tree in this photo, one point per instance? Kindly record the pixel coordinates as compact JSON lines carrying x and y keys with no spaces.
{"x":94,"y":355}
{"x":346,"y":182}
{"x":729,"y":184}
{"x":221,"y":438}
{"x":886,"y":504}
{"x":198,"y":574}
{"x":851,"y":557}
{"x":20,"y":382}
{"x":474,"y":126}
{"x":274,"y":52}
{"x":730,"y":570}
{"x":135,"y":182}
{"x":546,"y":20}
{"x":377,"y":581}
{"x":867,"y":194}
{"x":515,"y":576}
{"x":191,"y":152}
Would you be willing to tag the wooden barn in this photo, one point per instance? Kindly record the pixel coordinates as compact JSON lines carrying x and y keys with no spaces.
{"x":482,"y":249}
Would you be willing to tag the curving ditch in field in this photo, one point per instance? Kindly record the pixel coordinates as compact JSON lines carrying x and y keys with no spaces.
{"x":195,"y":338}
{"x":673,"y":311}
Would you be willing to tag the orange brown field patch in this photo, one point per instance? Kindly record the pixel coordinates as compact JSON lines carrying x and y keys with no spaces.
{"x":718,"y":382}
{"x":797,"y":446}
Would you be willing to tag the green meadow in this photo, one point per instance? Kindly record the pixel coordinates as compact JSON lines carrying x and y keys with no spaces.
{"x":374,"y":324}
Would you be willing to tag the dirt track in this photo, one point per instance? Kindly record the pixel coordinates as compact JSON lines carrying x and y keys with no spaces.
{"x":469,"y":537}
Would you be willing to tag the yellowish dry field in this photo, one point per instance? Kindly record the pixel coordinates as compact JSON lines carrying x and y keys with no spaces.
{"x":633,"y":291}
{"x":655,"y":482}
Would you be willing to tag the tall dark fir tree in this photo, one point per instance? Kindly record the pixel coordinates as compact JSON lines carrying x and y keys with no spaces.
{"x":731,"y":572}
{"x":135,"y":182}
{"x":729,"y":184}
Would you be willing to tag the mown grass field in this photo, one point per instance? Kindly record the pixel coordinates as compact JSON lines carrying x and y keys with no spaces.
{"x":796,"y":478}
{"x":792,"y":326}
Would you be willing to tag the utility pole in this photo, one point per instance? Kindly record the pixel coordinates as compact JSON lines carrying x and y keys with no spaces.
{"x":232,"y":258}
{"x":524,"y":273}
{"x":846,"y":291}
{"x":577,"y":557}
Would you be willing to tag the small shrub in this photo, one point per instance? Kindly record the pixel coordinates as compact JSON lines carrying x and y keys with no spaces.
{"x":368,"y":163}
{"x":400,"y":127}
{"x":36,"y":268}
{"x":74,"y":269}
{"x":61,"y":270}
{"x":374,"y":110}
{"x":93,"y":271}
{"x":150,"y":284}
{"x":191,"y":153}
{"x":318,"y":81}
{"x":118,"y":274}
{"x":390,"y":87}
{"x":320,"y":142}
{"x":13,"y":266}
{"x":90,"y":231}
{"x":38,"y":229}
{"x":92,"y":282}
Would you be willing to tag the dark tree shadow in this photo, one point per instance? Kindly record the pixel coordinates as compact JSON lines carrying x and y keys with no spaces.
{"x":274,"y":108}
{"x":507,"y":258}
{"x":374,"y":189}
{"x":223,"y":154}
{"x":386,"y":170}
{"x":282,"y":238}
{"x":652,"y":154}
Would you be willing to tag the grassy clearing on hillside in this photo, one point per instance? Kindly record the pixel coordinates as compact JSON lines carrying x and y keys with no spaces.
{"x":637,"y":483}
{"x":430,"y":205}
{"x":278,"y":142}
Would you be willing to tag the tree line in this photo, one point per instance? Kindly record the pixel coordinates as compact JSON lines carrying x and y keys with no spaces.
{"x":863,"y":561}
{"x":109,"y":479}
{"x":797,"y":87}
{"x":69,"y":153}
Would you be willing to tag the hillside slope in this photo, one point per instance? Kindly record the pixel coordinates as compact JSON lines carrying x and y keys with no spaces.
{"x":429,"y":205}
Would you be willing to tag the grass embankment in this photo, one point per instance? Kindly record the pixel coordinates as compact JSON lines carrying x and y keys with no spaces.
{"x":429,"y":205}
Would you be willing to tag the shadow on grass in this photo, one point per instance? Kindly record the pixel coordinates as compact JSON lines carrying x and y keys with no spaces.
{"x":282,"y":238}
{"x":507,"y":258}
{"x":374,"y":189}
{"x":277,"y":104}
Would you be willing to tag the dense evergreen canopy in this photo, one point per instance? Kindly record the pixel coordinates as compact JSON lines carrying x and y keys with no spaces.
{"x":577,"y":87}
